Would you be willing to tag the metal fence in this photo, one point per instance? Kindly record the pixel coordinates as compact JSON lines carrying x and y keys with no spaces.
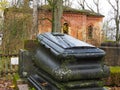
{"x":6,"y":67}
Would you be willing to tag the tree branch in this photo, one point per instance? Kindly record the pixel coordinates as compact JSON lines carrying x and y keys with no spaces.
{"x":46,"y":19}
{"x":112,"y":5}
{"x":89,"y":7}
{"x":97,"y":5}
{"x":81,"y":3}
{"x":50,"y":2}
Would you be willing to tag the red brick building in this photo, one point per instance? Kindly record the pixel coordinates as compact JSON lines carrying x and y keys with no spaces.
{"x":81,"y":24}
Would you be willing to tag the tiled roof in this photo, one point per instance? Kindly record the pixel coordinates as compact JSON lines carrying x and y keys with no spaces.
{"x":72,"y":10}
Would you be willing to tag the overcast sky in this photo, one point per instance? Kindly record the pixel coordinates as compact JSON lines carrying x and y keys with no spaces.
{"x":104,"y":6}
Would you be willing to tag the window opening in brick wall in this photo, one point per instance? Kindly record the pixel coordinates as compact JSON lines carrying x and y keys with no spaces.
{"x":65,"y":28}
{"x":90,"y":31}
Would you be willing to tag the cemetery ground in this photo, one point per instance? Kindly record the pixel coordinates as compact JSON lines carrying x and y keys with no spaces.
{"x":10,"y":80}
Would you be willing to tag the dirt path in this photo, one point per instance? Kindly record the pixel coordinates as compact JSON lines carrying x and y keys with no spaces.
{"x":6,"y":85}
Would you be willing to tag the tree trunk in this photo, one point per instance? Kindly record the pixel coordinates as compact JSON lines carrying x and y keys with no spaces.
{"x":56,"y":15}
{"x":116,"y":18}
{"x":34,"y":30}
{"x":117,"y":21}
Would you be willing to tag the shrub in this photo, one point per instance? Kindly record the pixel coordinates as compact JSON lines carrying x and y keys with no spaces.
{"x":114,"y":78}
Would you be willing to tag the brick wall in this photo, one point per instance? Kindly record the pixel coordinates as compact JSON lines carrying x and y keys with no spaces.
{"x":78,"y":24}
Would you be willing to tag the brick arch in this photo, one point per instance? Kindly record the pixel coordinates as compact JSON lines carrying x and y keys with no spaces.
{"x":90,"y":30}
{"x":64,"y":20}
{"x":90,"y":24}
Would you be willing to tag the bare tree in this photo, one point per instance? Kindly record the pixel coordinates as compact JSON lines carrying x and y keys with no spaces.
{"x":42,"y":2}
{"x":90,"y":7}
{"x":84,"y":3}
{"x":26,"y":2}
{"x":97,"y":6}
{"x":81,"y":3}
{"x":96,"y":2}
{"x":57,"y":10}
{"x":115,"y":7}
{"x":18,"y":3}
{"x":56,"y":15}
{"x":15,"y":2}
{"x":3,"y":5}
{"x":34,"y":30}
{"x":108,"y":29}
{"x":67,"y":3}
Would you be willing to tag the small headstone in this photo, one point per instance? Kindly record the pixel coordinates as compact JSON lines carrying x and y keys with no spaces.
{"x":23,"y":87}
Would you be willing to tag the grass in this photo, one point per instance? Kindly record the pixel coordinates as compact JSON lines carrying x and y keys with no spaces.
{"x":16,"y":76}
{"x":115,"y":69}
{"x":114,"y":78}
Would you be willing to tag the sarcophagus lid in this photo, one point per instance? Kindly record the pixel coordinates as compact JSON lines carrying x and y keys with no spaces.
{"x":65,"y":45}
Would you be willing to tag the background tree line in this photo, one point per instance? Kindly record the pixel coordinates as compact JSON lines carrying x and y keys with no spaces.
{"x":111,"y":24}
{"x":17,"y":28}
